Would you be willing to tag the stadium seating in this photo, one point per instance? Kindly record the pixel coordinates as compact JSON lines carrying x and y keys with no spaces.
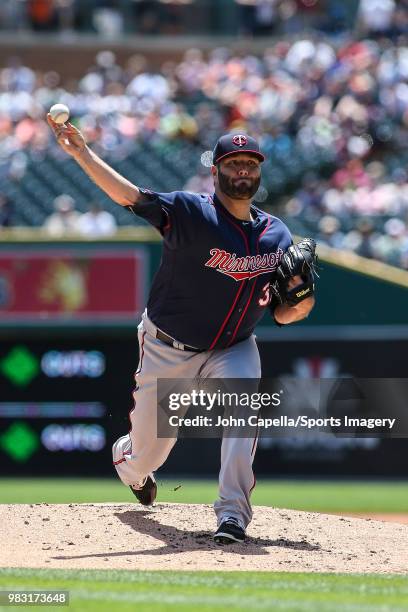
{"x":162,"y":167}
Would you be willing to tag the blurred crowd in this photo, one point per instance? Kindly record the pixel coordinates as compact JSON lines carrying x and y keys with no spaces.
{"x":346,"y":98}
{"x":107,"y":18}
{"x":66,"y":220}
{"x":361,"y":208}
{"x":110,"y":18}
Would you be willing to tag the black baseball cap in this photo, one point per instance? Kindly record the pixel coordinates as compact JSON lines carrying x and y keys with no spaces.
{"x":236,"y":143}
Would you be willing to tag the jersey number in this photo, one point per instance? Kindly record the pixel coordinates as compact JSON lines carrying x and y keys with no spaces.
{"x":266,"y":296}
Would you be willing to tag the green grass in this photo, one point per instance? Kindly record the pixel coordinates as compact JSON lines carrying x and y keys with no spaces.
{"x":207,"y":591}
{"x":301,"y":495}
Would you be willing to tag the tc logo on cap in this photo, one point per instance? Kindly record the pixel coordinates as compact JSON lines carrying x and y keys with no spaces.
{"x":240,"y":140}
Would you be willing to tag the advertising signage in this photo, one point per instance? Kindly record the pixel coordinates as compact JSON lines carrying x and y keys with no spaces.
{"x":65,"y":400}
{"x":54,"y":285}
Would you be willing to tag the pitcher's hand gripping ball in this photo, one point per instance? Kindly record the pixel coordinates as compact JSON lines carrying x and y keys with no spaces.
{"x":59,"y":113}
{"x":67,"y":135}
{"x":298,"y":260}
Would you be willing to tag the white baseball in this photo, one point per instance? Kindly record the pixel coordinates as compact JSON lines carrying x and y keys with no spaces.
{"x":59,"y":113}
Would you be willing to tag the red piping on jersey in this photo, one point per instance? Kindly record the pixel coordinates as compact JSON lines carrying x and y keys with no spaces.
{"x":262,"y":233}
{"x":235,"y":225}
{"x":253,"y":288}
{"x":139,"y":369}
{"x":227,"y":317}
{"x":240,"y":287}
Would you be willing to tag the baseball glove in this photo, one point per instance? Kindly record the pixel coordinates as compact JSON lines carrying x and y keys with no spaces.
{"x":299,"y":260}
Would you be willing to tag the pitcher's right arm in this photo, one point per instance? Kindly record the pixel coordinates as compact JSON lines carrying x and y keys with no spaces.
{"x":117,"y":187}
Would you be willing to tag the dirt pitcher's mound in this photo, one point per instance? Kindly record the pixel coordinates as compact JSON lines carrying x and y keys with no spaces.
{"x":179,"y":537}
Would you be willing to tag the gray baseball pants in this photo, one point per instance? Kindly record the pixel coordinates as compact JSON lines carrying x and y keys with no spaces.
{"x":141,"y":452}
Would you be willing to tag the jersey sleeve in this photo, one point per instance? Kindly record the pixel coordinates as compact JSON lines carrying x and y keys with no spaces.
{"x":170,"y":213}
{"x":286,"y":239}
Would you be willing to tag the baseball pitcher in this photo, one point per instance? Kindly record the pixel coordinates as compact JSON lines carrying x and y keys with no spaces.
{"x":224,"y":262}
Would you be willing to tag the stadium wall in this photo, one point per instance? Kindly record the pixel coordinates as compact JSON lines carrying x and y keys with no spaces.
{"x":67,"y":362}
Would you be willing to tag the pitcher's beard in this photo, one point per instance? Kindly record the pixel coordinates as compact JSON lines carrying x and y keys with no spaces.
{"x":245,"y":189}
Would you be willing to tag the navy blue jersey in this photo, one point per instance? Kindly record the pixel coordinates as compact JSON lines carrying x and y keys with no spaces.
{"x":211,"y":288}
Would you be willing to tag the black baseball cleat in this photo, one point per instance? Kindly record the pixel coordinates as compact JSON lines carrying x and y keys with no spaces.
{"x":229,"y":531}
{"x":147,"y":492}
